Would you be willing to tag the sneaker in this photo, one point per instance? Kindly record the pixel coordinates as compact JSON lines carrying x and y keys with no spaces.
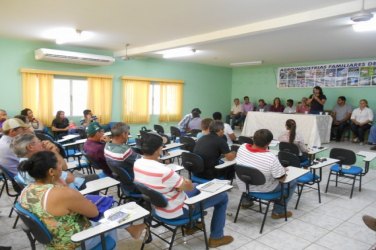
{"x":227,"y":239}
{"x":370,"y":222}
{"x":355,"y":140}
{"x":195,"y":228}
{"x":280,"y":216}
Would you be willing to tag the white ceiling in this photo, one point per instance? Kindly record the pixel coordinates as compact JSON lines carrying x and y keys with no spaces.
{"x":224,"y":31}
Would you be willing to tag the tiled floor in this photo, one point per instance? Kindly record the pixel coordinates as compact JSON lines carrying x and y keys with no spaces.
{"x":334,"y":224}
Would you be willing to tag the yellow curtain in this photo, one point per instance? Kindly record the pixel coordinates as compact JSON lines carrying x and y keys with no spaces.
{"x":135,"y":95}
{"x":99,"y":98}
{"x":37,"y":95}
{"x":171,"y":102}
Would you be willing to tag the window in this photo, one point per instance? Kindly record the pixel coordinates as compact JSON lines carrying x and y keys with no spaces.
{"x":70,"y":95}
{"x":154,"y":98}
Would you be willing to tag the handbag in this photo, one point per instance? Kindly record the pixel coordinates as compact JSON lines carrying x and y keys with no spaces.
{"x":103,"y":203}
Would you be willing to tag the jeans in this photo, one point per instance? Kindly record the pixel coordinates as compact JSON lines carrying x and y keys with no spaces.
{"x":337,"y":130}
{"x":360,"y":131}
{"x":372,"y":135}
{"x":219,"y":202}
{"x":288,"y":188}
{"x":92,"y":242}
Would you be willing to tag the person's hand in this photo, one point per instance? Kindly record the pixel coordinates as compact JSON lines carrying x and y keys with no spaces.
{"x":49,"y":146}
{"x":105,"y":138}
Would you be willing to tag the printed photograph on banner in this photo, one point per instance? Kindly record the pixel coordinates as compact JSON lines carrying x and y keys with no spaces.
{"x":330,"y":72}
{"x":310,"y":73}
{"x":320,"y":73}
{"x":291,"y":74}
{"x":365,"y":81}
{"x":353,"y":72}
{"x":282,"y":74}
{"x":310,"y":82}
{"x":352,"y":81}
{"x":342,"y":72}
{"x":374,"y":80}
{"x":283,"y":83}
{"x":291,"y":83}
{"x":341,"y":81}
{"x":329,"y":82}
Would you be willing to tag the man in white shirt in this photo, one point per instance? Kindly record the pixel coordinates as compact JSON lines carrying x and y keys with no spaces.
{"x":235,"y":114}
{"x":229,"y":133}
{"x":258,"y":156}
{"x":290,"y":108}
{"x":361,"y":120}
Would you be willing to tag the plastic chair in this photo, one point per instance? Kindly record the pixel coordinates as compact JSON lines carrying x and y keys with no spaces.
{"x":189,"y":143}
{"x":193,"y":163}
{"x":346,"y":157}
{"x":159,"y":129}
{"x":253,"y":176}
{"x":175,"y":133}
{"x":293,"y":149}
{"x":155,"y":199}
{"x":245,"y":139}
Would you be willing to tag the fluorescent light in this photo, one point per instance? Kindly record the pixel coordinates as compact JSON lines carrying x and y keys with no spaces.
{"x":246,"y":63}
{"x":365,"y":26}
{"x":179,"y":52}
{"x":67,"y":35}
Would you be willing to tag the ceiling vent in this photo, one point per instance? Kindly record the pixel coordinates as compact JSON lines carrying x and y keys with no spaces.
{"x":63,"y":56}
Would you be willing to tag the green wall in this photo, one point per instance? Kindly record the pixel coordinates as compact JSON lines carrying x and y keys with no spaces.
{"x":261,"y":82}
{"x":206,"y":87}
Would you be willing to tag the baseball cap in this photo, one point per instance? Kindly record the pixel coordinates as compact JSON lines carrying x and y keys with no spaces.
{"x":93,"y":128}
{"x":197,"y":110}
{"x":13,"y":123}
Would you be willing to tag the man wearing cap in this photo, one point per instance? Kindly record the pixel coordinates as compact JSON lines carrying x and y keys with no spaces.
{"x":11,"y":128}
{"x":94,"y":146}
{"x":191,"y":121}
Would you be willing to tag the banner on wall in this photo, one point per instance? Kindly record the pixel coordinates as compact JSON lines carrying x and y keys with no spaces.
{"x":352,"y":74}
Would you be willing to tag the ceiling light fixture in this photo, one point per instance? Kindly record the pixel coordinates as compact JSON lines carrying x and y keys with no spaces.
{"x":179,"y":52}
{"x":365,"y":26}
{"x":238,"y":64}
{"x":362,"y":16}
{"x":67,"y":35}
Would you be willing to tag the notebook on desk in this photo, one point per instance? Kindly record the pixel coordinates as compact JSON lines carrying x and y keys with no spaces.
{"x":212,"y":186}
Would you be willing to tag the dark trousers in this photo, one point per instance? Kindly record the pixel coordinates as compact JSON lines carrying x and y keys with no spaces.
{"x":360,"y":131}
{"x":337,"y":130}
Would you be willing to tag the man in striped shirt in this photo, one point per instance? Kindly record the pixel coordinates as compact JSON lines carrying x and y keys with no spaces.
{"x":157,"y":176}
{"x":259,"y":157}
{"x":119,"y":154}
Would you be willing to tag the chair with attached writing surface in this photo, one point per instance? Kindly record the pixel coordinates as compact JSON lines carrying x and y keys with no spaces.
{"x":159,"y":129}
{"x":37,"y":231}
{"x":194,"y":132}
{"x":345,"y":168}
{"x":155,"y":200}
{"x":193,"y":163}
{"x":175,"y":133}
{"x":287,"y":159}
{"x":253,"y":176}
{"x":245,"y":139}
{"x":189,"y":143}
{"x":293,"y":149}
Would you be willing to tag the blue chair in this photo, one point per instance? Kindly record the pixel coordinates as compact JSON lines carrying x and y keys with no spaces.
{"x":155,"y":199}
{"x":310,"y":178}
{"x":193,"y":163}
{"x":293,"y":149}
{"x":36,"y":230}
{"x":253,"y":176}
{"x":346,"y":157}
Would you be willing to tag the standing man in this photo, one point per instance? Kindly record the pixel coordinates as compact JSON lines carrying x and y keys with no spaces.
{"x":341,"y":114}
{"x":190,"y":121}
{"x":235,"y":114}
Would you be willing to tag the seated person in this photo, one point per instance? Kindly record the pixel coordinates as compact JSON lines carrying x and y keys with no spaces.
{"x":236,"y":113}
{"x":204,"y":127}
{"x":64,"y":211}
{"x":88,"y":118}
{"x":94,"y":146}
{"x":228,"y":132}
{"x":262,"y":106}
{"x":361,"y":120}
{"x":372,"y":137}
{"x":277,"y":106}
{"x":341,"y":114}
{"x":3,"y":117}
{"x":190,"y":121}
{"x":211,"y":147}
{"x":28,"y":144}
{"x":291,"y":136}
{"x":258,"y":156}
{"x":303,"y":106}
{"x":155,"y":175}
{"x":290,"y":108}
{"x":31,"y":120}
{"x":246,"y":107}
{"x":60,"y":125}
{"x":119,"y":154}
{"x":11,"y":128}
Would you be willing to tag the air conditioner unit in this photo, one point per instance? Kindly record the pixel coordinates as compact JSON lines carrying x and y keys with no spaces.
{"x":63,"y":56}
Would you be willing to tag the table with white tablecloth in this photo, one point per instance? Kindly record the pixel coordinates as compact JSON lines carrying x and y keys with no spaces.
{"x":315,"y":129}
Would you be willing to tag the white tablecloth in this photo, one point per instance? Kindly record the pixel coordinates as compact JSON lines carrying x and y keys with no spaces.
{"x":315,"y":129}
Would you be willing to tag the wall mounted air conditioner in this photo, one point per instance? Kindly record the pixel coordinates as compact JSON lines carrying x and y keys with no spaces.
{"x":63,"y":56}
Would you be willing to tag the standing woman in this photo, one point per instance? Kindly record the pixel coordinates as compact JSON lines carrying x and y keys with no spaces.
{"x":60,"y":125}
{"x":277,"y":106}
{"x":317,"y":101}
{"x":361,"y":120}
